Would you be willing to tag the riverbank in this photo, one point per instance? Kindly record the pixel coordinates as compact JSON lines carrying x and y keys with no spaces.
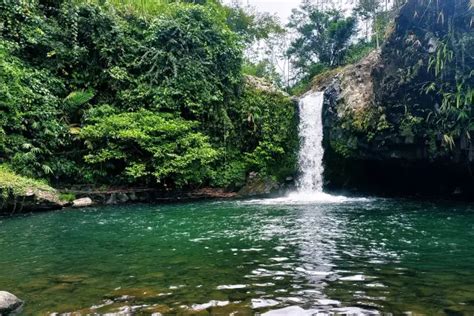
{"x":36,"y":200}
{"x":24,"y":195}
{"x":114,"y":196}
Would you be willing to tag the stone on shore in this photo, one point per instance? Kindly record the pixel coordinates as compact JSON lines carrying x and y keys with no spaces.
{"x":84,"y":202}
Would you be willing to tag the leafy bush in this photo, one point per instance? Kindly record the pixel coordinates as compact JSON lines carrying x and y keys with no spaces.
{"x":142,"y":146}
{"x":266,"y":132}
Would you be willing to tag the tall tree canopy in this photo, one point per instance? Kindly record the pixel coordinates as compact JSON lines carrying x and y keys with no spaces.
{"x":321,"y":37}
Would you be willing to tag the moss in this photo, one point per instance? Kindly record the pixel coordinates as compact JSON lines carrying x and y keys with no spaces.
{"x":67,"y":197}
{"x":345,"y":149}
{"x":368,"y":121}
{"x":408,"y":125}
{"x":11,"y":183}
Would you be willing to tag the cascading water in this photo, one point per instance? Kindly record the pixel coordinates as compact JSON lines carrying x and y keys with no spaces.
{"x":310,"y":183}
{"x":311,"y":150}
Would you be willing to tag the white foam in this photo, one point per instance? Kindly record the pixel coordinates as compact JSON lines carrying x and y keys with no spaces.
{"x":298,"y":311}
{"x":328,"y":302}
{"x":310,"y":272}
{"x":301,"y":198}
{"x":288,"y":311}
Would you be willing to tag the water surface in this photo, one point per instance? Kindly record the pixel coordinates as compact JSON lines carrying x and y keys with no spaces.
{"x":222,"y":257}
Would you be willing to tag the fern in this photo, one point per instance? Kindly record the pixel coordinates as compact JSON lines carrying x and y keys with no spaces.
{"x":77,"y":98}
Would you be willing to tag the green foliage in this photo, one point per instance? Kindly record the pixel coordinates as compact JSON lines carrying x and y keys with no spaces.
{"x":67,"y":197}
{"x":452,"y":78}
{"x":145,"y":8}
{"x":322,"y":37}
{"x":251,"y":25}
{"x":30,"y":125}
{"x":367,"y":121}
{"x":344,"y":148}
{"x":263,"y":69}
{"x":144,"y":146}
{"x":12,"y":183}
{"x":77,"y":98}
{"x":136,"y":92}
{"x":409,"y":126}
{"x":358,"y":51}
{"x":267,"y":136}
{"x":312,"y":73}
{"x":192,"y":59}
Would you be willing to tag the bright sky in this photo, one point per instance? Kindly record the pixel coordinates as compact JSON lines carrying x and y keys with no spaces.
{"x":283,"y":7}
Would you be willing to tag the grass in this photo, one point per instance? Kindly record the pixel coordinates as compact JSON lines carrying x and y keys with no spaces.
{"x":68,"y":197}
{"x":10,"y":182}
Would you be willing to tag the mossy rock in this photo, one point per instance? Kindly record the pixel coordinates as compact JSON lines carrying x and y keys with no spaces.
{"x":22,"y":194}
{"x":259,"y":186}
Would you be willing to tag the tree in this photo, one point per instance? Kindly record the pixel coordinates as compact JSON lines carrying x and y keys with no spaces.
{"x":321,"y":37}
{"x":251,"y":24}
{"x":370,"y":11}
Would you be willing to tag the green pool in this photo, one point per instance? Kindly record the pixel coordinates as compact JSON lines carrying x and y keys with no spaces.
{"x":361,"y":256}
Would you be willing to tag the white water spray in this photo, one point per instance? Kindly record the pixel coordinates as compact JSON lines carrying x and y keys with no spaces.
{"x":311,"y":152}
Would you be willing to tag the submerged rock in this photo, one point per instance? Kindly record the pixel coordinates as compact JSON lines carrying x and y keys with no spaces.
{"x":9,"y":303}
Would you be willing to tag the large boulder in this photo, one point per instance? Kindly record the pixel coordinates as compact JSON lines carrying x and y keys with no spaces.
{"x":384,"y":128}
{"x":9,"y":303}
{"x":82,"y":202}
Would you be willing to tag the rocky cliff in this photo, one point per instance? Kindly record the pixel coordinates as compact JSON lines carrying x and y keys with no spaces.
{"x":400,"y":121}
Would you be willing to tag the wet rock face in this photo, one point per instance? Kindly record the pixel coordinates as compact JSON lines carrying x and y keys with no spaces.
{"x":376,"y":117}
{"x":9,"y":303}
{"x":258,"y":186}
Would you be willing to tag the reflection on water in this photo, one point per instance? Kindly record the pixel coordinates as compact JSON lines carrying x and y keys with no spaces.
{"x":356,"y":256}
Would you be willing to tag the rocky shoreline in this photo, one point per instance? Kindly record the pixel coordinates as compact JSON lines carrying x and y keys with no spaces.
{"x":37,"y":200}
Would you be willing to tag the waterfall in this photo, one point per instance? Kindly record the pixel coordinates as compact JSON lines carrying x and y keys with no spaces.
{"x":311,"y":153}
{"x":310,"y":158}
